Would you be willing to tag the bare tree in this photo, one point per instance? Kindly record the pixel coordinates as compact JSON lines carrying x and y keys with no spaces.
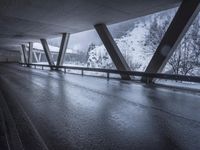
{"x":186,"y":58}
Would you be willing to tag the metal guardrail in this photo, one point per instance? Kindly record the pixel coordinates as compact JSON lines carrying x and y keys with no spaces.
{"x":131,"y":73}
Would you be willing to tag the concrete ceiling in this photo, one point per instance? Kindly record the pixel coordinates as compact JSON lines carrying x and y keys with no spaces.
{"x":29,"y":20}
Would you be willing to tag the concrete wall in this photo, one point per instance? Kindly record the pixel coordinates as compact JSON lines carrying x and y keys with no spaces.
{"x":10,"y":56}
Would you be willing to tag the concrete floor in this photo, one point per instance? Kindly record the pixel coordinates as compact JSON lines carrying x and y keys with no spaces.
{"x":87,"y":113}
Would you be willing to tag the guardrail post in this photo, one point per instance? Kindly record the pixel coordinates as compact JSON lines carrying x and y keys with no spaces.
{"x":108,"y":75}
{"x":82,"y":73}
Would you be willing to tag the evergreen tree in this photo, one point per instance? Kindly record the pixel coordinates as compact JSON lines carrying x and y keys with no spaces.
{"x":156,"y":32}
{"x":89,"y":53}
{"x":186,"y":58}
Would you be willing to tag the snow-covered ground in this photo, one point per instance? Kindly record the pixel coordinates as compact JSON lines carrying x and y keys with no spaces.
{"x":190,"y":85}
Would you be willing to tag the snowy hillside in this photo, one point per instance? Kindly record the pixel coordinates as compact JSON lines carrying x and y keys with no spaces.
{"x":131,"y":46}
{"x":139,"y":42}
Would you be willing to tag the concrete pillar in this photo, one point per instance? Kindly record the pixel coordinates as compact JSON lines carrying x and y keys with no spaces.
{"x":35,"y":56}
{"x":22,"y":56}
{"x":113,"y":49}
{"x":47,"y":52}
{"x":39,"y":57}
{"x":30,"y":53}
{"x":24,"y":53}
{"x":63,"y":48}
{"x":184,"y":17}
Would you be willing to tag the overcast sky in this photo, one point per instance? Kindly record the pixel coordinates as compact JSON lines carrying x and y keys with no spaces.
{"x":81,"y":41}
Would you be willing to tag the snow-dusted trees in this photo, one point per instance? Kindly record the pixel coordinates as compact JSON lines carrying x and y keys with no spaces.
{"x":157,"y":29}
{"x":186,"y":59}
{"x":130,"y":47}
{"x":183,"y":60}
{"x":194,"y":36}
{"x":98,"y":57}
{"x":89,"y":55}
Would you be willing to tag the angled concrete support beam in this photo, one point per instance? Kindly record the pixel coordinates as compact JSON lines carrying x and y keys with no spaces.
{"x":47,"y":52}
{"x":183,"y":19}
{"x":112,"y":49}
{"x":22,"y":56}
{"x":30,"y":53}
{"x":63,"y":48}
{"x":39,"y":57}
{"x":36,"y":57}
{"x":24,"y":53}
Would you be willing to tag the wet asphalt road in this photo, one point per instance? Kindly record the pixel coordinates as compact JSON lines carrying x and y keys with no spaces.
{"x":88,"y":113}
